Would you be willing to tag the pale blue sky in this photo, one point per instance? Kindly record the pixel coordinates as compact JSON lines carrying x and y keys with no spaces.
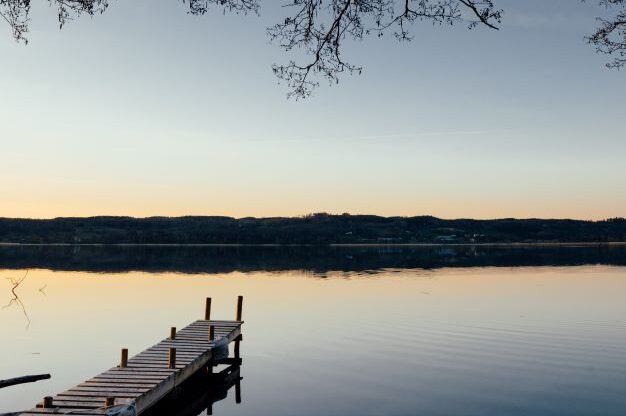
{"x":148,"y":111}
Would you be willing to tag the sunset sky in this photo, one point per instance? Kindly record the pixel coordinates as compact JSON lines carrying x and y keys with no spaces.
{"x":146,"y":110}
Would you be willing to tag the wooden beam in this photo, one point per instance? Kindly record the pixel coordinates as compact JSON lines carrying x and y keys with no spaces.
{"x":237,"y":354}
{"x":238,"y":392}
{"x":23,"y":379}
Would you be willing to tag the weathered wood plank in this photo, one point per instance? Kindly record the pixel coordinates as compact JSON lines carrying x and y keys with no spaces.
{"x":129,"y":378}
{"x":94,"y":394}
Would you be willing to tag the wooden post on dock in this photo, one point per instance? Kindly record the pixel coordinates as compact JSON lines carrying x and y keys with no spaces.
{"x":211,"y":332}
{"x":173,"y":332}
{"x":47,"y":403}
{"x":239,"y":307}
{"x":109,"y":402}
{"x":172,"y":358}
{"x":124,"y":360}
{"x":207,"y":310}
{"x":237,"y":342}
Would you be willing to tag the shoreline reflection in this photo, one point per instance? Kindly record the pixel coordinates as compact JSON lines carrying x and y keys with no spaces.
{"x":317,"y":260}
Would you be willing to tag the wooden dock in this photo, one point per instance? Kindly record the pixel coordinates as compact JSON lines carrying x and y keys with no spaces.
{"x":144,"y":379}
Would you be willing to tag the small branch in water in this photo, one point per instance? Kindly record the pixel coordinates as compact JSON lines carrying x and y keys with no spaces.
{"x":16,"y":298}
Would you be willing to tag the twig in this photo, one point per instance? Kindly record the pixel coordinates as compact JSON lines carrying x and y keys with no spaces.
{"x":16,"y":298}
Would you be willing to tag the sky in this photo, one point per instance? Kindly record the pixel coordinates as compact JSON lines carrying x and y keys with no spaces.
{"x":146,"y":110}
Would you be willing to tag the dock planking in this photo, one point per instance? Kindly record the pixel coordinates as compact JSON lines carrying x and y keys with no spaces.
{"x":147,"y":377}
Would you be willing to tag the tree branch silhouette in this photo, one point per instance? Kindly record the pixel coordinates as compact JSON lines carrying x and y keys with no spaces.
{"x":319,"y":29}
{"x":16,"y":299}
{"x":610,"y":37}
{"x":316,"y":30}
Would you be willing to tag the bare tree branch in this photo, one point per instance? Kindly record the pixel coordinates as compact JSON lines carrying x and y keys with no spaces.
{"x":315,"y":30}
{"x":199,"y":7}
{"x":318,"y":29}
{"x":15,"y":13}
{"x":485,"y":11}
{"x":16,"y":299}
{"x":610,"y":37}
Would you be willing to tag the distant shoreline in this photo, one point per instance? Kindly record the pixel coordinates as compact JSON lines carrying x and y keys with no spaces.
{"x":311,"y":230}
{"x":527,"y":244}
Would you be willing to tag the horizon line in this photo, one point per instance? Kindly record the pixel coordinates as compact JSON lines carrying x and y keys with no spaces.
{"x":302,"y":216}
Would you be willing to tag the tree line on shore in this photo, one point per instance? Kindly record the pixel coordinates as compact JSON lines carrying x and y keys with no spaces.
{"x":316,"y":229}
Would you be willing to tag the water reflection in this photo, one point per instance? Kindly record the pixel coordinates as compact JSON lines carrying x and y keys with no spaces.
{"x":317,"y":260}
{"x":198,"y":394}
{"x":451,"y":341}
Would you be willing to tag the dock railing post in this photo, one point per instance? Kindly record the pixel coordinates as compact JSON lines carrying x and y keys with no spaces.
{"x":47,"y":403}
{"x":124,"y":359}
{"x":207,"y":310}
{"x":239,"y":307}
{"x":109,"y":402}
{"x":211,"y":332}
{"x":172,"y":358}
{"x":173,"y":332}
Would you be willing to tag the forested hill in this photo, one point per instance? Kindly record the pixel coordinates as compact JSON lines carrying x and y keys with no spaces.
{"x":310,"y":229}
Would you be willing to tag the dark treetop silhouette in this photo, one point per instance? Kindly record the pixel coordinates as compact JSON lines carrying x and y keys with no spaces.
{"x":317,"y":229}
{"x":319,"y":27}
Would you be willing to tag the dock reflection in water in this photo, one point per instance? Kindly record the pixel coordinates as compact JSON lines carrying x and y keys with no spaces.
{"x":198,"y":394}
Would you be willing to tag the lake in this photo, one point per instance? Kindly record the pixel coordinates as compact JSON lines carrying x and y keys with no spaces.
{"x":446,"y":330}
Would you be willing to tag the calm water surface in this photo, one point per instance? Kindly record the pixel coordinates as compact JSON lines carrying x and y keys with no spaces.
{"x":532,"y":340}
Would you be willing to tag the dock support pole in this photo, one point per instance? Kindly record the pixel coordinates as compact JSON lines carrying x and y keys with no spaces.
{"x":237,"y":342}
{"x":47,"y":402}
{"x":238,"y":392}
{"x":211,"y":332}
{"x":173,"y":332}
{"x":109,"y":402}
{"x":207,"y":310}
{"x":124,"y":360}
{"x":239,"y":307}
{"x":172,"y":358}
